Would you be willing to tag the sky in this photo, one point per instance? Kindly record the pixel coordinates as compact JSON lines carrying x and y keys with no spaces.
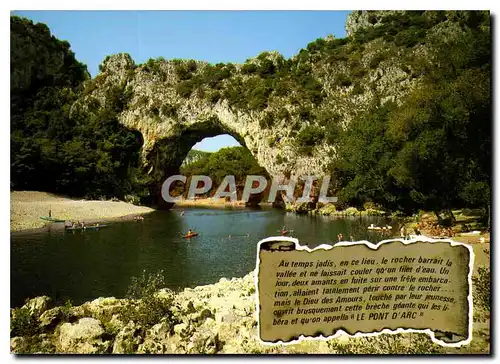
{"x":212,"y":36}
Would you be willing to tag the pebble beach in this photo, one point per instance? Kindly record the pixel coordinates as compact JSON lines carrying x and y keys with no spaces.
{"x":26,"y":207}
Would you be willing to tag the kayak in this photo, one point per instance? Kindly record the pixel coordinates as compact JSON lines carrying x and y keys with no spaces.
{"x":53,"y":219}
{"x":190,"y":235}
{"x":86,"y":227}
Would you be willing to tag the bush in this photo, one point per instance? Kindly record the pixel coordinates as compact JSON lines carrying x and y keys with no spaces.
{"x":169,"y":110}
{"x":410,"y":37}
{"x":343,"y":80}
{"x":280,"y":159}
{"x":146,"y":284}
{"x":282,"y":114}
{"x":133,"y":199}
{"x":266,"y":68}
{"x":370,"y":205}
{"x":267,"y":121}
{"x":351,"y":211}
{"x":185,"y":71}
{"x":258,"y":98}
{"x":327,"y":209}
{"x":248,"y":68}
{"x":357,"y":89}
{"x":418,"y":343}
{"x":482,"y":288}
{"x":185,"y":88}
{"x":151,"y":307}
{"x":150,"y":311}
{"x":304,"y":113}
{"x":308,"y":138}
{"x":214,"y":97}
{"x":377,"y":58}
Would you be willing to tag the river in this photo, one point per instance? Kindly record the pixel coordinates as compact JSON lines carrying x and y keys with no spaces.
{"x":84,"y":265}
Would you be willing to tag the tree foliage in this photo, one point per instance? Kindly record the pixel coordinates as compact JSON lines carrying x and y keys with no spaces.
{"x":235,"y":161}
{"x":86,"y":154}
{"x":434,"y":150}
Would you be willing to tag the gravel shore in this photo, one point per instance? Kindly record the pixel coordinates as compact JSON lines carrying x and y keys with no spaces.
{"x":26,"y":207}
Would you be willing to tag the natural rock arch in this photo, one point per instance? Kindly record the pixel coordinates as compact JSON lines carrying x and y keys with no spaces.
{"x":285,"y":131}
{"x":167,"y":154}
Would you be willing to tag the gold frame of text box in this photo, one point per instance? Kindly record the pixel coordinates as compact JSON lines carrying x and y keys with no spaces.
{"x":341,"y":332}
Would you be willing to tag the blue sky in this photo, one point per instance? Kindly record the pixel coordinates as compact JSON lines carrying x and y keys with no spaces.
{"x":212,"y":36}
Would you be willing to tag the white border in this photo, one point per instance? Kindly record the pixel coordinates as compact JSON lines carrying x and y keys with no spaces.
{"x":340,"y":332}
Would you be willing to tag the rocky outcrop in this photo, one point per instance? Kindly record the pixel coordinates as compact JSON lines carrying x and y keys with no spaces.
{"x":38,"y":305}
{"x":211,"y":319}
{"x":362,"y":19}
{"x":84,"y":336}
{"x":220,"y":318}
{"x":171,"y":120}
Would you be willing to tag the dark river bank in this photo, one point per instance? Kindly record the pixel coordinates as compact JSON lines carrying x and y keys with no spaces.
{"x":84,"y":265}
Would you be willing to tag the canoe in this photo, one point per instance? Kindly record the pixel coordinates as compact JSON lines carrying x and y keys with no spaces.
{"x":190,"y":235}
{"x":53,"y":219}
{"x":92,"y":227}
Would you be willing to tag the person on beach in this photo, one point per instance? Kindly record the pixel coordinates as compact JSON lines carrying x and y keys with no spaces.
{"x":50,"y":213}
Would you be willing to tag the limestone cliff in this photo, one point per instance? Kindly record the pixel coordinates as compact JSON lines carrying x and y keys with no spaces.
{"x":284,"y":111}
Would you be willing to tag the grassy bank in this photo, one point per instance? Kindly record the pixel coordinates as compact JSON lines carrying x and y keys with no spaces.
{"x":26,"y":207}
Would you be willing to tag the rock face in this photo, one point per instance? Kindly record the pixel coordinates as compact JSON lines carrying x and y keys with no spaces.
{"x":38,"y":305}
{"x":219,"y":318}
{"x":83,"y":337}
{"x":211,"y":319}
{"x":360,"y":19}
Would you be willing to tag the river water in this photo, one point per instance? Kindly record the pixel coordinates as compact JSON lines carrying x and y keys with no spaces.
{"x":82,"y":266}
